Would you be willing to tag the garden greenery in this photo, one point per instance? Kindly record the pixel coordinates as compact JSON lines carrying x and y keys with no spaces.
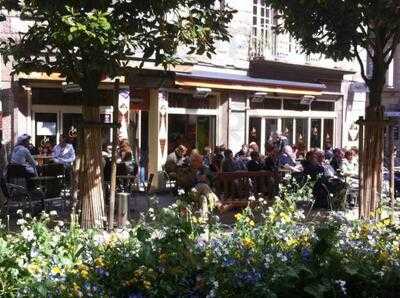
{"x":168,"y":254}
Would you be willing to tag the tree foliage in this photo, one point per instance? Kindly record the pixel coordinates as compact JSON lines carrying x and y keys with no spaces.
{"x":342,"y":29}
{"x":85,"y":40}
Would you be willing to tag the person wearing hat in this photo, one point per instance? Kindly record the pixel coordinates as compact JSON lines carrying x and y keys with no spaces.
{"x":21,"y":155}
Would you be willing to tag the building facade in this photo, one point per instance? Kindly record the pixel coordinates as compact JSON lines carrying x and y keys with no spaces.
{"x":256,"y":84}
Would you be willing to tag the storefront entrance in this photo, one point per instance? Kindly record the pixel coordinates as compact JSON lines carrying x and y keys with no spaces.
{"x":192,"y":131}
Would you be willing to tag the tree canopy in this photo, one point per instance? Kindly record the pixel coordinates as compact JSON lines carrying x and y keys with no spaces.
{"x":342,"y":29}
{"x":85,"y":40}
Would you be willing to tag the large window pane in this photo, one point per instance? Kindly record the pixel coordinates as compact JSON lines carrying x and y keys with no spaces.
{"x":315,"y":133}
{"x":301,"y":134}
{"x":271,"y":126}
{"x":45,"y":132}
{"x":255,"y":130}
{"x":328,"y":133}
{"x":287,"y":129}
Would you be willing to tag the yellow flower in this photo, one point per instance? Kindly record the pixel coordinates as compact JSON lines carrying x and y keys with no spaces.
{"x":146,"y":284}
{"x":76,"y":289}
{"x":85,"y":274}
{"x":56,"y":270}
{"x":33,"y":268}
{"x":252,"y":223}
{"x":248,"y":242}
{"x":238,"y":216}
{"x":99,"y":262}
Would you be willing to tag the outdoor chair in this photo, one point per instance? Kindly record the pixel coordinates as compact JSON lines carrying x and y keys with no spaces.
{"x":15,"y":190}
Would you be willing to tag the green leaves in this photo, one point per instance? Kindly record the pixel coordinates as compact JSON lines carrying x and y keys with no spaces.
{"x":85,"y":38}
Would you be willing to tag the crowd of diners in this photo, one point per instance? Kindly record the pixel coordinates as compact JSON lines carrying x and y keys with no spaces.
{"x":33,"y":160}
{"x":194,"y":168}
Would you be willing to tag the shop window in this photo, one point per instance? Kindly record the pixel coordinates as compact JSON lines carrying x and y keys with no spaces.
{"x":192,"y":131}
{"x":271,"y":127}
{"x":267,"y":104}
{"x":301,"y":134}
{"x":328,"y":133}
{"x":287,"y":129}
{"x":327,"y":106}
{"x":45,"y":132}
{"x":294,"y":105}
{"x":255,"y":130}
{"x":315,"y":139}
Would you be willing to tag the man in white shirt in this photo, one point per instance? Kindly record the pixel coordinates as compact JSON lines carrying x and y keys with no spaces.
{"x":21,"y":155}
{"x":64,"y":153}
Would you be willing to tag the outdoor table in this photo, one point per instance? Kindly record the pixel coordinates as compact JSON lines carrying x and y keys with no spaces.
{"x":43,"y":159}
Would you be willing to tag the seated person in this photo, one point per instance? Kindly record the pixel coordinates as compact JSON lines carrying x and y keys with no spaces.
{"x":243,"y":151}
{"x":64,"y":153}
{"x":287,"y":159}
{"x":241,"y":161}
{"x":349,"y":166}
{"x":271,"y":161}
{"x":228,"y":163}
{"x":337,"y":159}
{"x":175,"y":159}
{"x":21,"y":156}
{"x":312,"y":166}
{"x":255,"y":164}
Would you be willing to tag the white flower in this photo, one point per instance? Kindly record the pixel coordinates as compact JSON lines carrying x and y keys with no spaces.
{"x":252,"y":199}
{"x":60,"y":223}
{"x":193,"y":190}
{"x":181,"y":192}
{"x":28,"y":235}
{"x":53,"y":213}
{"x":21,"y":222}
{"x":28,"y":215}
{"x":19,"y":212}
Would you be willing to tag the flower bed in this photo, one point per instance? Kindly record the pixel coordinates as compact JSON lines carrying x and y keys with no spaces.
{"x":169,"y":254}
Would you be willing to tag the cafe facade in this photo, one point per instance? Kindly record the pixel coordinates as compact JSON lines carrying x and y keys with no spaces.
{"x":196,"y":106}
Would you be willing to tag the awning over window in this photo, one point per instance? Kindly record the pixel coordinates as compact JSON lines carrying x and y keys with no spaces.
{"x":226,"y":81}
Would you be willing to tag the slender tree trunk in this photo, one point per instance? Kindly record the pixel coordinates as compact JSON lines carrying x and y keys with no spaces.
{"x":90,"y":182}
{"x":372,"y":160}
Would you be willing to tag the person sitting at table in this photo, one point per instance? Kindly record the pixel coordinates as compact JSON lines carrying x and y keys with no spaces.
{"x":64,"y":153}
{"x":21,"y":156}
{"x":287,"y":159}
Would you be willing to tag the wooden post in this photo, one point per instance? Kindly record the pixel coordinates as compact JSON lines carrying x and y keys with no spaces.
{"x":360,"y":167}
{"x":113,"y":157}
{"x":391,"y":169}
{"x":122,"y":199}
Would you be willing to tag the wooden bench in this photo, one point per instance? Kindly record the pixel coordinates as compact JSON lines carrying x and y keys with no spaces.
{"x":240,"y":185}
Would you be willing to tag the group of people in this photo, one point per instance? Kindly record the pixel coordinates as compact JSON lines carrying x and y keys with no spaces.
{"x":63,"y":153}
{"x":328,"y":164}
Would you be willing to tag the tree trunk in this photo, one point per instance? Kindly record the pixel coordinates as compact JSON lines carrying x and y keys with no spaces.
{"x":372,"y":158}
{"x":90,"y":182}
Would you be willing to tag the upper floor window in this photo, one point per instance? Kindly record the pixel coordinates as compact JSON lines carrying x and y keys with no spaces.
{"x":261,"y":36}
{"x":390,"y":75}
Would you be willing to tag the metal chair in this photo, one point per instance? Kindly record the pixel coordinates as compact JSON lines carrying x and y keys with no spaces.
{"x":16,"y":192}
